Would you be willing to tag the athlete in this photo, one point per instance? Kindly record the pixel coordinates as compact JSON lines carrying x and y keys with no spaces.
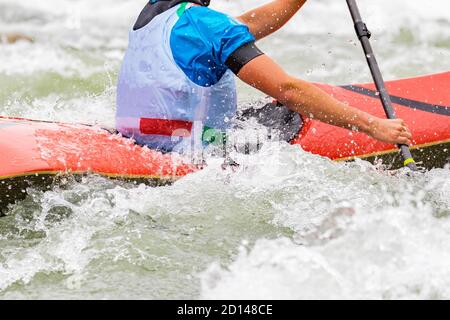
{"x":176,"y":84}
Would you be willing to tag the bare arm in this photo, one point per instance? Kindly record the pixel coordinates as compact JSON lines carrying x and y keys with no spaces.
{"x":305,"y":98}
{"x":269,"y":18}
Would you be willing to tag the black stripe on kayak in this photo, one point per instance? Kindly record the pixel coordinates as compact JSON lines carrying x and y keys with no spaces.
{"x":432,"y":108}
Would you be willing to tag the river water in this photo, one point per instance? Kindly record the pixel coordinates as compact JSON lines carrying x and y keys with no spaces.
{"x":286,"y":225}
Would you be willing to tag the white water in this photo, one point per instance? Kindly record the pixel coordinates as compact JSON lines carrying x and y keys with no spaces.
{"x":287,"y":225}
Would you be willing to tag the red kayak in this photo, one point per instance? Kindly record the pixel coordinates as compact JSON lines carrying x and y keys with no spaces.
{"x":34,"y":152}
{"x":424,"y":104}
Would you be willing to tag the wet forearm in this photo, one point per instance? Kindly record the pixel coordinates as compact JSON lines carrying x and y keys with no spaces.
{"x":268,"y":18}
{"x":311,"y":101}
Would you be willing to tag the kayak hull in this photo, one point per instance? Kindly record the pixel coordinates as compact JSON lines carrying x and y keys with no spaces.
{"x":35,"y":153}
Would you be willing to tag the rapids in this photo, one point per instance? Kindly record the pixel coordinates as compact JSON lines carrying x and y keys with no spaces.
{"x":287,"y":224}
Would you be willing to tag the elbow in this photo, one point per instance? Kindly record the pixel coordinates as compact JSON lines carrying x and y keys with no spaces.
{"x":296,"y":95}
{"x":290,"y":92}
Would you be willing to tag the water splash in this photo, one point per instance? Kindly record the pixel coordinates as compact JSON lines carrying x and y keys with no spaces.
{"x":393,"y":250}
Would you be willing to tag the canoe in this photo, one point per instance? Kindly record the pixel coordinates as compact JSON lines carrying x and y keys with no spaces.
{"x":35,"y":153}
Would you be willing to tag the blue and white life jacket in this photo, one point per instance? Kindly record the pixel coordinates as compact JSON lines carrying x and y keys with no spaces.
{"x":169,"y":97}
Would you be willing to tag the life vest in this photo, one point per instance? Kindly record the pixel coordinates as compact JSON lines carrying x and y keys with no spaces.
{"x":157,"y":104}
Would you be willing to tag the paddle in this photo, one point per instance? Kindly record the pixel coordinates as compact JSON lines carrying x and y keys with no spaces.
{"x":364,"y":34}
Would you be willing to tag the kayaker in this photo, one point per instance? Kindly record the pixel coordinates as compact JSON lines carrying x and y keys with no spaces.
{"x":176,"y":84}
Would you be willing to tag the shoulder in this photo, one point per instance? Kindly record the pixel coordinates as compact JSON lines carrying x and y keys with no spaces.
{"x":209,"y":18}
{"x":209,"y":24}
{"x":203,"y":39}
{"x":219,"y":32}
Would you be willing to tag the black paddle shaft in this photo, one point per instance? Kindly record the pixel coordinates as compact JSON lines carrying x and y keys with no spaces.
{"x":364,"y":35}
